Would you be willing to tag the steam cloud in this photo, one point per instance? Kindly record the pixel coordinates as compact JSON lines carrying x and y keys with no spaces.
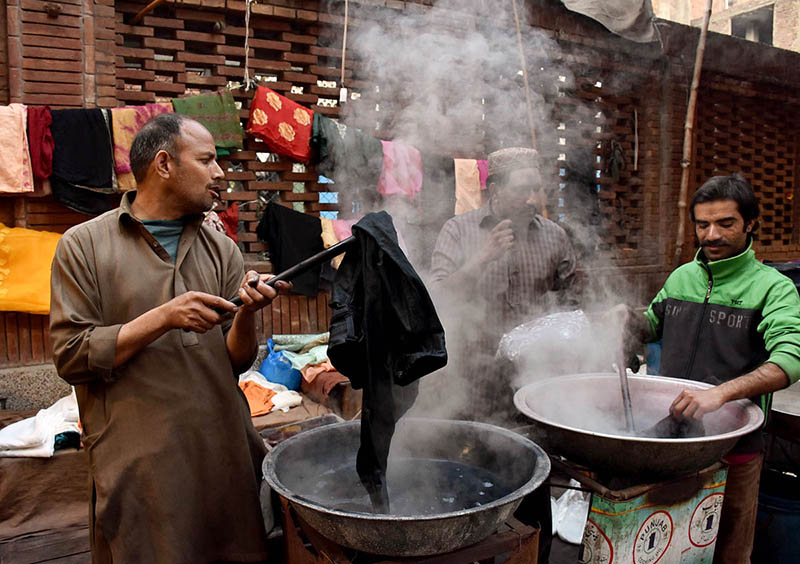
{"x":447,"y":80}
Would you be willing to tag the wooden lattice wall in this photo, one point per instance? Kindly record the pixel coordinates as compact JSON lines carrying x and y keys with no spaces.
{"x":757,"y":136}
{"x":91,"y":55}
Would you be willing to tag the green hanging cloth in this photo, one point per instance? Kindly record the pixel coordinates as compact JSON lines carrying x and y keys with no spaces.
{"x":218,"y":113}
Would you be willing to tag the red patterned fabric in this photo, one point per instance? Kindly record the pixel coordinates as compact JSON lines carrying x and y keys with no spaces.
{"x":284,"y":125}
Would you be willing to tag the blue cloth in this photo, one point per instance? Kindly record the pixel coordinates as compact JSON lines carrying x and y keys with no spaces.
{"x":653,"y":360}
{"x":167,"y":232}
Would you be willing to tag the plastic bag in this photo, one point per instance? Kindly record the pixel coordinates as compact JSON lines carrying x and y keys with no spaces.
{"x":569,"y":519}
{"x":276,"y":368}
{"x":560,"y":330}
{"x":559,"y":343}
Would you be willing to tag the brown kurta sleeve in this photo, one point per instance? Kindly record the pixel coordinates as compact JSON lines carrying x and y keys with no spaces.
{"x":233,"y":279}
{"x":83,"y":349}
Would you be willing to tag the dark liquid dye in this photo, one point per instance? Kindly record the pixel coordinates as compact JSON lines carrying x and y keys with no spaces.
{"x":416,"y":487}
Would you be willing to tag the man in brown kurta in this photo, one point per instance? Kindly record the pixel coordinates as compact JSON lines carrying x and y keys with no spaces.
{"x":174,"y":458}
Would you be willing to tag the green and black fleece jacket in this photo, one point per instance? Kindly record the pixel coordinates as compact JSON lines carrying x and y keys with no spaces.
{"x":721,"y":319}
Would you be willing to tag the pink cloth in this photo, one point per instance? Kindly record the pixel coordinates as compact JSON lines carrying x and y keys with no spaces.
{"x":125,"y":124}
{"x":16,"y":174}
{"x":343,"y":228}
{"x":483,"y":172}
{"x":402,"y":170}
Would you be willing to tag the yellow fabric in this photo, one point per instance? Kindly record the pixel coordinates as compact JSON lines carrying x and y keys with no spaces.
{"x":468,"y":186}
{"x":329,"y":239}
{"x":25,"y":259}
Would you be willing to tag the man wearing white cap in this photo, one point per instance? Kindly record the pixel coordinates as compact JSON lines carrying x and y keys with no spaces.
{"x":500,"y":266}
{"x":494,"y":268}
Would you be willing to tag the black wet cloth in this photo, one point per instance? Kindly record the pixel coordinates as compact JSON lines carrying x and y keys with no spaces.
{"x":83,"y":200}
{"x":346,"y":155}
{"x":82,"y":152}
{"x":384,"y":336}
{"x":292,"y":237}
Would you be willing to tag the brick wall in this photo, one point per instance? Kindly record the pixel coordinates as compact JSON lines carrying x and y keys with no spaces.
{"x":786,"y":25}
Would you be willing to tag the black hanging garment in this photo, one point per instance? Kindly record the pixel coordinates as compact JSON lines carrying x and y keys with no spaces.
{"x":83,"y":161}
{"x":384,"y":336}
{"x":292,"y":237}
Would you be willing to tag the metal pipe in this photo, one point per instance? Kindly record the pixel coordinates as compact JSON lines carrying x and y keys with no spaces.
{"x":306,"y":265}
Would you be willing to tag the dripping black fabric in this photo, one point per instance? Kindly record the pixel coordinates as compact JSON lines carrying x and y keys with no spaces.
{"x":384,"y":336}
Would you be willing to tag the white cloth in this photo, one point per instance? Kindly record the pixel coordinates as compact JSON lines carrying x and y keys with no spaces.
{"x":35,"y":436}
{"x":284,"y":398}
{"x":631,"y":19}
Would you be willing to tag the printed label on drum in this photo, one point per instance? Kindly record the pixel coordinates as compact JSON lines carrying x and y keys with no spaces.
{"x":705,"y":520}
{"x":653,"y":538}
{"x":596,"y":548}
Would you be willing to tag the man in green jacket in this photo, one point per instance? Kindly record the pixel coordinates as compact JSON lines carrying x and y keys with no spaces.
{"x":728,"y":320}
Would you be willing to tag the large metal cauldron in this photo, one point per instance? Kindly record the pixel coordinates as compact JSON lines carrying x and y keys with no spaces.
{"x":581,"y":417}
{"x":315,"y":471}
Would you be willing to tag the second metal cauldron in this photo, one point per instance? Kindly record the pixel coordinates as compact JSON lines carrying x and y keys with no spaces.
{"x":581,"y":417}
{"x":297,"y":467}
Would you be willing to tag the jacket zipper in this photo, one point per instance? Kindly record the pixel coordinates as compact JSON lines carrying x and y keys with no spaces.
{"x":700,"y":324}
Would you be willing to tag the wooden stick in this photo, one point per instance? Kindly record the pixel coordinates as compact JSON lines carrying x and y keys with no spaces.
{"x":525,"y":76}
{"x":635,"y":140}
{"x":687,"y":137}
{"x":146,"y":10}
{"x":344,"y":40}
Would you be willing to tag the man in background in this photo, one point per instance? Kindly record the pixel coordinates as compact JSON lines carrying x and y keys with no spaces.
{"x":493,"y":269}
{"x":496,"y":267}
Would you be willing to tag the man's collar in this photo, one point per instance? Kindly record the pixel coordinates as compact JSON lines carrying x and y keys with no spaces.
{"x":728,"y":265}
{"x":126,"y":209}
{"x":125,"y":205}
{"x":488,"y":220}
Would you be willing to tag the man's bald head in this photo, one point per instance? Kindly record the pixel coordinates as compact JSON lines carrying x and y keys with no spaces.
{"x":159,"y":134}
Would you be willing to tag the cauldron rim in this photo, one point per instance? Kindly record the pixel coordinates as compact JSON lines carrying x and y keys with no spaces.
{"x":754,"y":413}
{"x":540,"y":473}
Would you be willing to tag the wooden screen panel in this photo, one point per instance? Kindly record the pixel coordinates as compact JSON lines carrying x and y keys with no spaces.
{"x":293,"y":314}
{"x":26,"y":339}
{"x":592,"y":119}
{"x":757,"y":137}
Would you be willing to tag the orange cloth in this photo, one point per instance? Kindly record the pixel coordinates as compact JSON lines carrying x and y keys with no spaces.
{"x":25,"y":259}
{"x":125,"y":124}
{"x":469,"y":195}
{"x":329,"y":239}
{"x":258,"y":397}
{"x":310,"y":371}
{"x":16,"y":174}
